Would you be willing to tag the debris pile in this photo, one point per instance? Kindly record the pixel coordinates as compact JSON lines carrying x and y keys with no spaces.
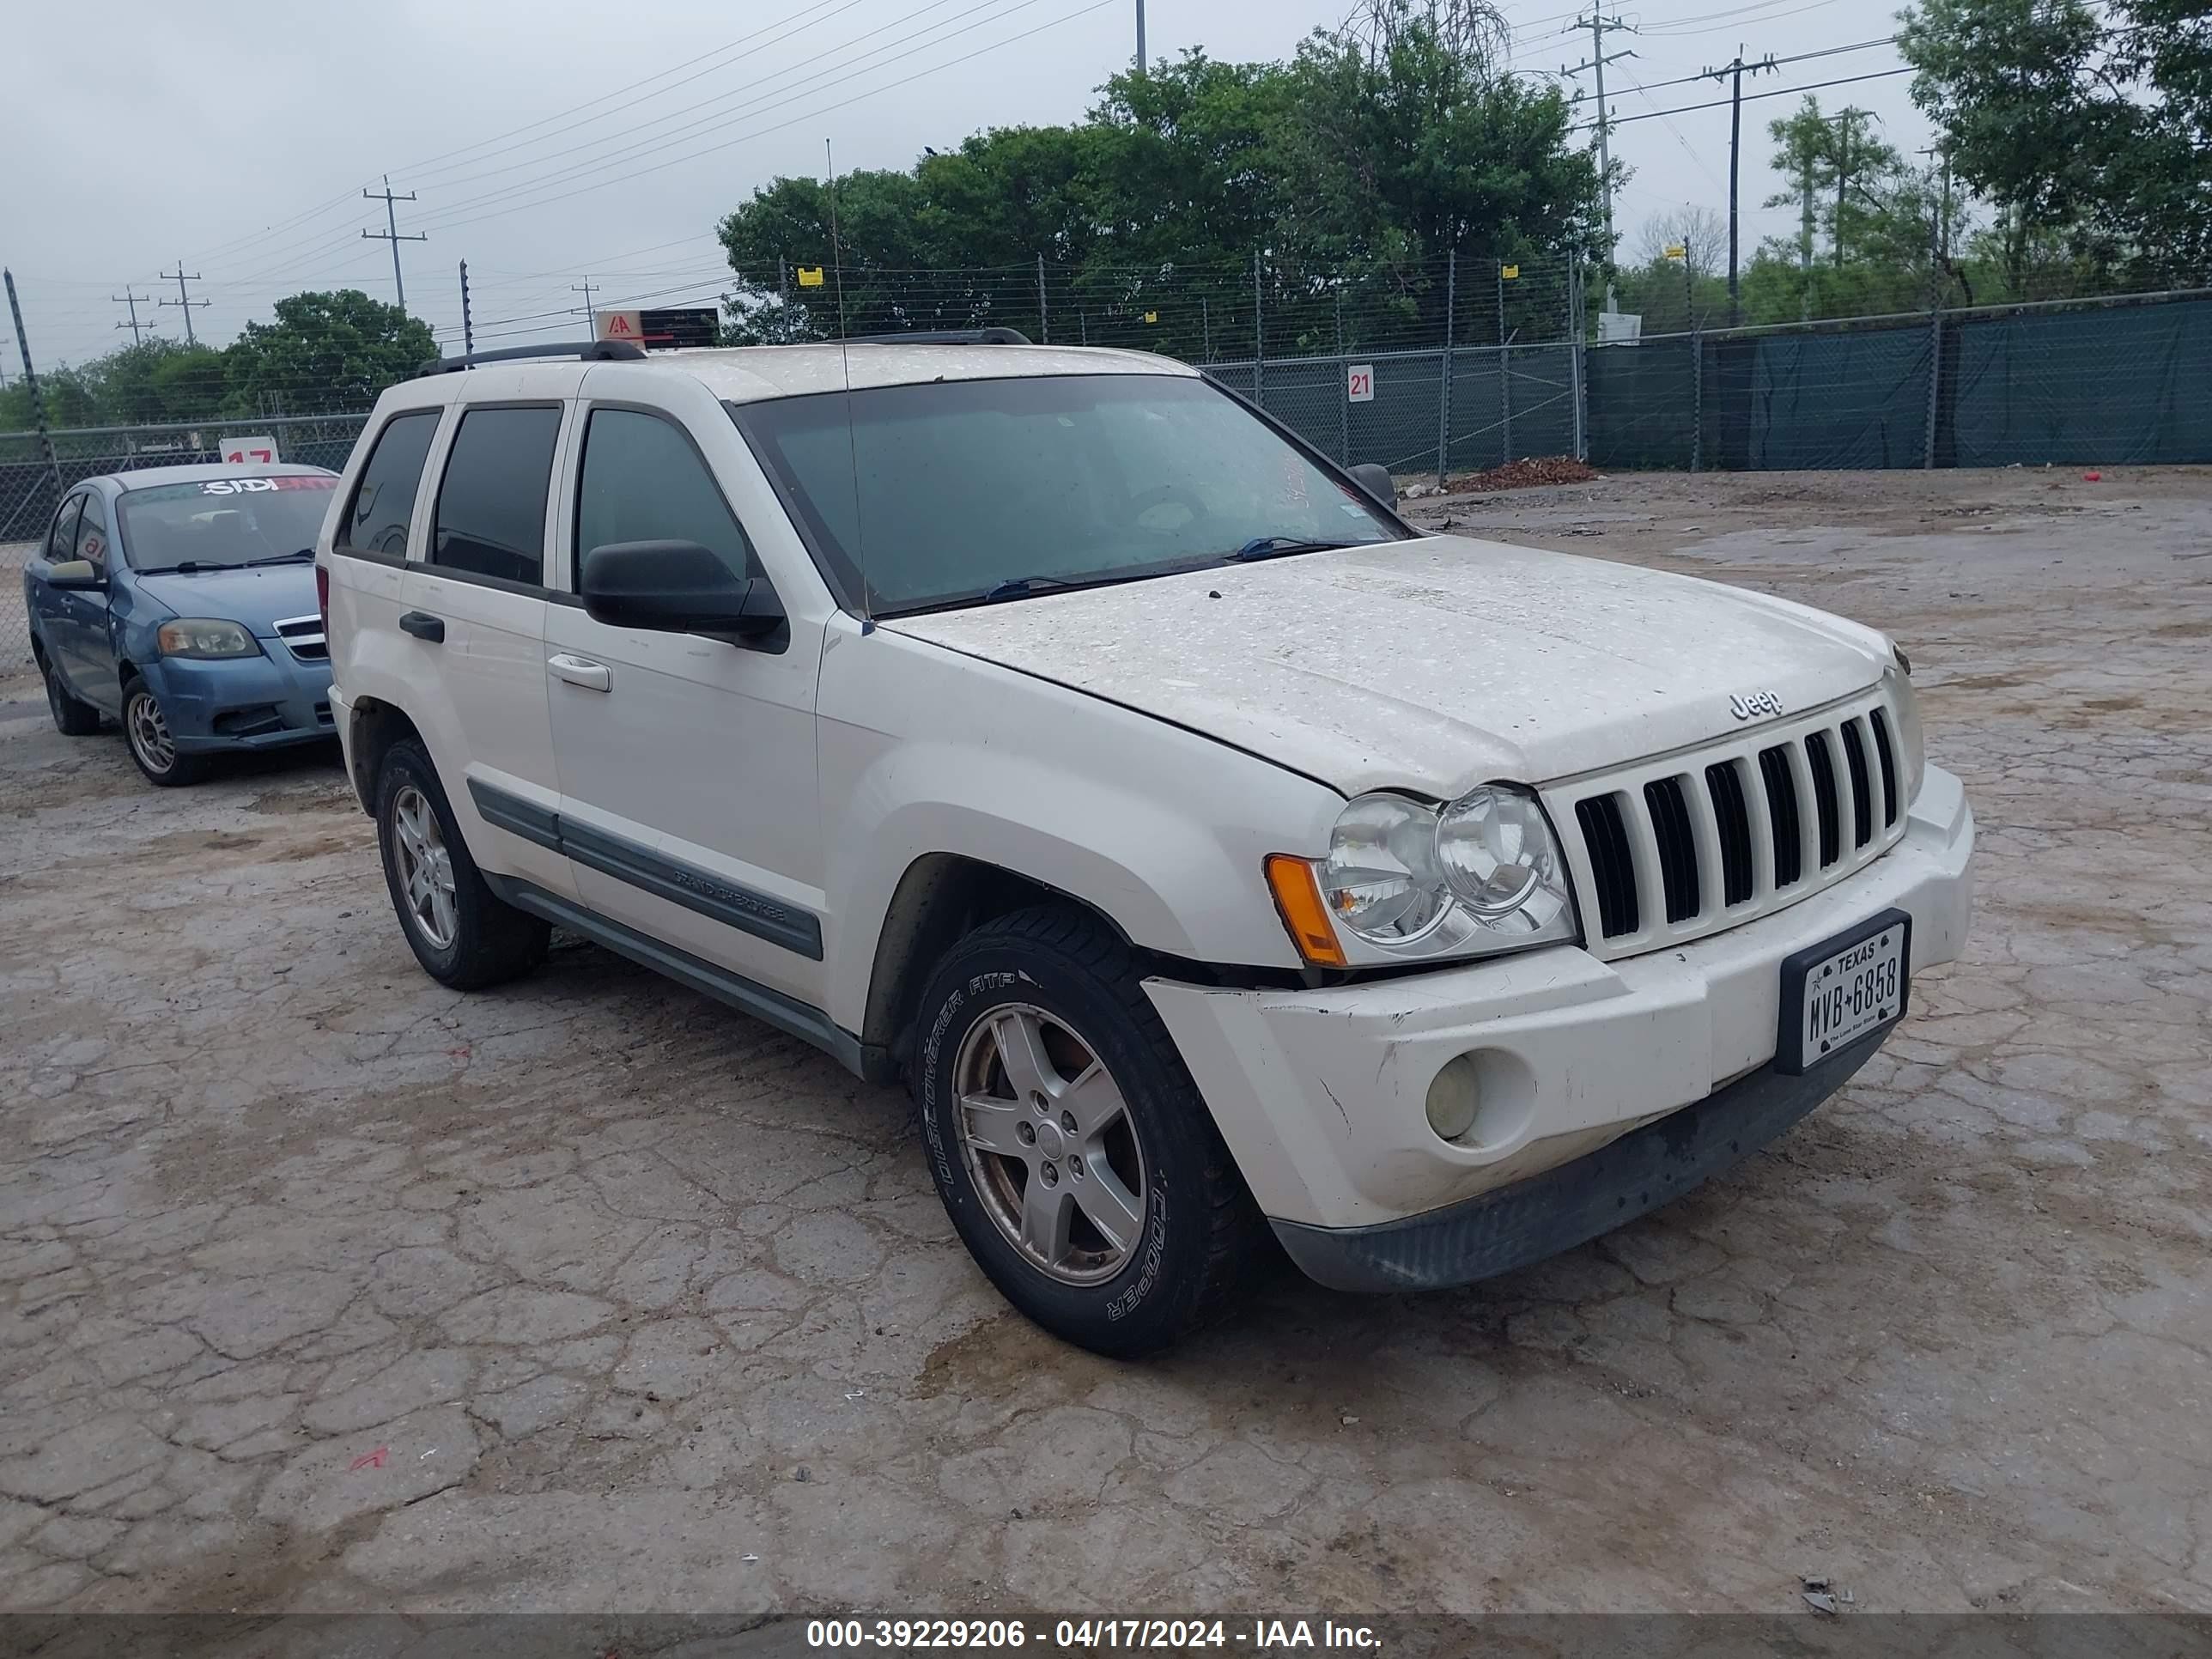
{"x":1525,"y":475}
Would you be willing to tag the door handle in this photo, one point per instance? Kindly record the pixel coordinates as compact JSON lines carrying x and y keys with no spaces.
{"x":582,"y":670}
{"x":424,"y":626}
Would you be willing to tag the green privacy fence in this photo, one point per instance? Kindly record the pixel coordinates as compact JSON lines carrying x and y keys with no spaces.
{"x":2120,"y":383}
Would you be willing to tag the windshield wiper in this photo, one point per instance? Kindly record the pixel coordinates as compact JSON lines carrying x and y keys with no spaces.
{"x":1269,"y":547}
{"x":189,"y":568}
{"x":1020,"y":586}
{"x":281,"y":558}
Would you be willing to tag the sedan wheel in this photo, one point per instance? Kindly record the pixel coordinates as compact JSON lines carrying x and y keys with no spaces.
{"x":149,"y":733}
{"x":1050,"y":1144}
{"x":153,"y":744}
{"x":426,"y":868}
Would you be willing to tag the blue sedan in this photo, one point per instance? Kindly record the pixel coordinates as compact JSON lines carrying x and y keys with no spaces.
{"x":181,"y":602}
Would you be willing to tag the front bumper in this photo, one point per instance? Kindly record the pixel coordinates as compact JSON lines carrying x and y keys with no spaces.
{"x":243,"y":703}
{"x":1510,"y":1227}
{"x":1322,"y":1096}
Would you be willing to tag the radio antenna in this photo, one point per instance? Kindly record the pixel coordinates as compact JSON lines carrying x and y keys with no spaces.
{"x":845,"y":363}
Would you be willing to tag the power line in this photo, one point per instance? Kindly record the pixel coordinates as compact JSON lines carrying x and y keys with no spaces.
{"x":1779,"y":92}
{"x":834,"y":75}
{"x":424,"y":168}
{"x":760,"y":132}
{"x":1794,"y":58}
{"x":704,"y":103}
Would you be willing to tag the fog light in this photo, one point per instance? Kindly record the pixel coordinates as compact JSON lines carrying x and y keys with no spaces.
{"x":1454,"y":1098}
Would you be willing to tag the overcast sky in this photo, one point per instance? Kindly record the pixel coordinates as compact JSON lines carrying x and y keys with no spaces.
{"x":139,"y":135}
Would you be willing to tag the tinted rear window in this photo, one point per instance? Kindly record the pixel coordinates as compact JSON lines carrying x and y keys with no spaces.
{"x":384,"y":501}
{"x":491,"y":507}
{"x":223,"y":520}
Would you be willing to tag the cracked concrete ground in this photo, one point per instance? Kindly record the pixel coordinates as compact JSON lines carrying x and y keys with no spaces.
{"x":321,"y":1287}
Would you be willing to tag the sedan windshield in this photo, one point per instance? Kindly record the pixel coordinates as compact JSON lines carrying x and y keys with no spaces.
{"x":951,"y":492}
{"x":223,"y":522}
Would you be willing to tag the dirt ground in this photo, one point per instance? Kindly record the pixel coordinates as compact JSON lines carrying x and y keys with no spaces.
{"x":321,"y":1287}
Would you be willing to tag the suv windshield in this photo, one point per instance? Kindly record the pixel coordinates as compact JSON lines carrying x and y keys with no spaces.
{"x":949,"y":492}
{"x":224,"y":521}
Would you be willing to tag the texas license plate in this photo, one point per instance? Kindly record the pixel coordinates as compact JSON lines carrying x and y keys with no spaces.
{"x":1842,"y":989}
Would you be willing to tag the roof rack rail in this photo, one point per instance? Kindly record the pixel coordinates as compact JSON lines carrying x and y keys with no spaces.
{"x":944,"y":336}
{"x":591,"y":351}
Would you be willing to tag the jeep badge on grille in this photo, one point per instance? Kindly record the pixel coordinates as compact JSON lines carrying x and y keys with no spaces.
{"x":1746,"y":704}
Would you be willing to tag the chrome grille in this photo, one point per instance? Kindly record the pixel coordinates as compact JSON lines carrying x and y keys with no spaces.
{"x":1687,"y":844}
{"x":303,"y":638}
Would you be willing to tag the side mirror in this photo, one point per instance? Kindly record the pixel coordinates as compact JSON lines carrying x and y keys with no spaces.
{"x":75,"y":576}
{"x":1376,"y":480}
{"x":677,"y":588}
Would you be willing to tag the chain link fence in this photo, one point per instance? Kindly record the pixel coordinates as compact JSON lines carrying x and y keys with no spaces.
{"x":35,"y":473}
{"x":1359,"y":371}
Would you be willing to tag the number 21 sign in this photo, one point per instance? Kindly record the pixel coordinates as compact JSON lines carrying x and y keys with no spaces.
{"x":1359,"y":383}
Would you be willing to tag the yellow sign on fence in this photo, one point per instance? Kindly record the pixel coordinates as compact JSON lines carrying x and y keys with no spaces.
{"x":1509,"y":272}
{"x":810,"y":275}
{"x":1151,"y":316}
{"x":1676,"y":251}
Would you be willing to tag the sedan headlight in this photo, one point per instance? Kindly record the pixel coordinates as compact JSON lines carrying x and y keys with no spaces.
{"x":1412,"y":882}
{"x":204,"y":637}
{"x":1912,"y":756}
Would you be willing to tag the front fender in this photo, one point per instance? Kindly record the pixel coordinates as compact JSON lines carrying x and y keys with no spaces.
{"x":1162,"y":830}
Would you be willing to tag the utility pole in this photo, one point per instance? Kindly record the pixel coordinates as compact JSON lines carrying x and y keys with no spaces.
{"x":31,"y":380}
{"x":1600,"y":26}
{"x":1845,"y":118}
{"x":1735,"y":72}
{"x":591,"y":315}
{"x":183,"y":298}
{"x":134,"y":301}
{"x":468,"y":324}
{"x":1140,"y":36}
{"x":390,"y":233}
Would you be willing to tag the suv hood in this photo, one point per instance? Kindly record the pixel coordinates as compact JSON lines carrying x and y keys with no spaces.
{"x":255,"y":600}
{"x":1431,"y":665}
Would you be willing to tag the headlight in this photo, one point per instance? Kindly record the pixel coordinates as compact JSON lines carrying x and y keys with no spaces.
{"x":204,"y":637}
{"x":1912,"y":757}
{"x":1410,"y":882}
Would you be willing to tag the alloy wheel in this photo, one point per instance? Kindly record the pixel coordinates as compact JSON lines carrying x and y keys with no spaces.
{"x":426,"y":868}
{"x":149,"y":733}
{"x":1049,"y":1142}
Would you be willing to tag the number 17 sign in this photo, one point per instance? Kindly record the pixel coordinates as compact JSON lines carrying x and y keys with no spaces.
{"x":1359,"y":383}
{"x":258,"y":449}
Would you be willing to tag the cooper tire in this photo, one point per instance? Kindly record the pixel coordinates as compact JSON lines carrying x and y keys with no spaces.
{"x":1018,"y":1025}
{"x":462,"y":932}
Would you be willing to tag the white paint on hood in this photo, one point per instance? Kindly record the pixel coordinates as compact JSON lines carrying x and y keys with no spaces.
{"x":1429,"y":665}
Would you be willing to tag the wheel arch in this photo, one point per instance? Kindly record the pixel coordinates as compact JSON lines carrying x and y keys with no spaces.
{"x":941,"y":898}
{"x":376,"y":726}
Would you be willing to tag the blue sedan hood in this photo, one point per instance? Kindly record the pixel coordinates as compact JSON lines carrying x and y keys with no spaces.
{"x":257,"y":599}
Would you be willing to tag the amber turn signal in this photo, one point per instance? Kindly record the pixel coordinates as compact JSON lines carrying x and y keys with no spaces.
{"x":1297,"y":901}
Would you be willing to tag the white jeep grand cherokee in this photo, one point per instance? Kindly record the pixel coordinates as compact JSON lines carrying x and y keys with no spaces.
{"x":1213,"y":854}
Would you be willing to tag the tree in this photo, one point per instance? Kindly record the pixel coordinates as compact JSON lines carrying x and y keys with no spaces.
{"x":2096,"y":131}
{"x":1350,"y":172}
{"x":1802,"y":155}
{"x":325,"y":353}
{"x":1699,"y":232}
